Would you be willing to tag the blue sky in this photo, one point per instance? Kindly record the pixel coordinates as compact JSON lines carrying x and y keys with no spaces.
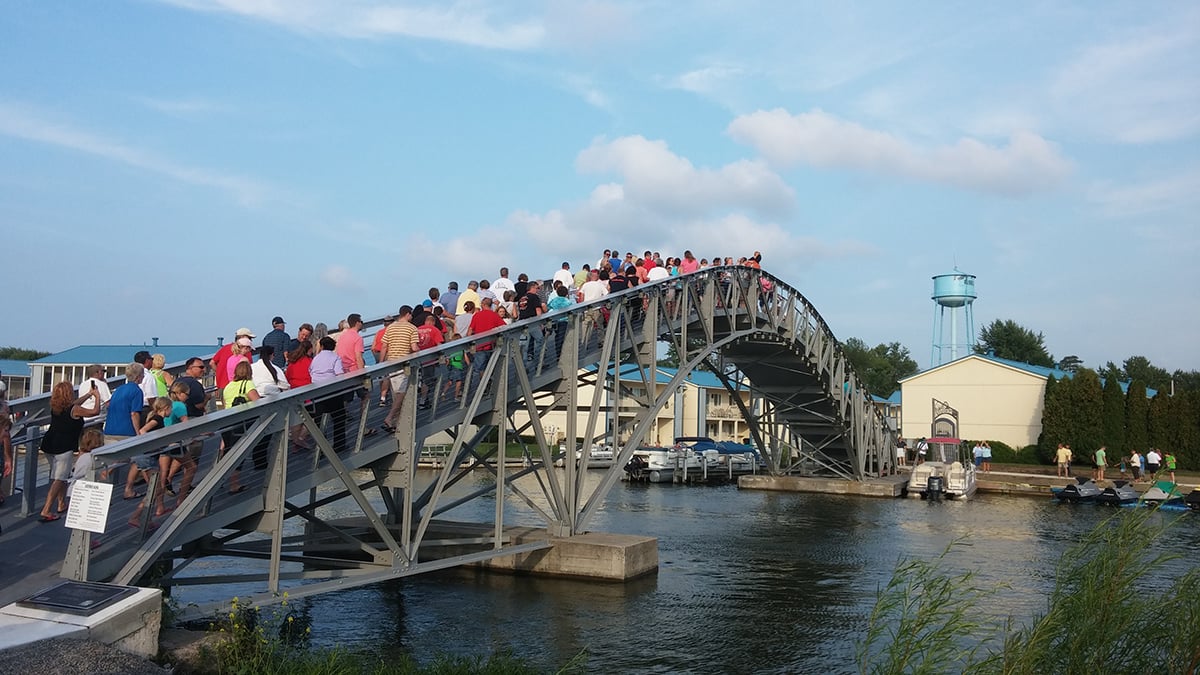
{"x":179,"y":168}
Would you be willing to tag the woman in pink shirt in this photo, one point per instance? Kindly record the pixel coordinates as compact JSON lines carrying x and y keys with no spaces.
{"x":241,"y":352}
{"x":689,"y":263}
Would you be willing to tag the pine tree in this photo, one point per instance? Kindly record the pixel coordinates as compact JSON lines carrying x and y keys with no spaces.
{"x":1114,"y":417}
{"x":1136,"y":413}
{"x":1085,"y":412}
{"x":1054,"y":419}
{"x":1158,"y":421}
{"x":1185,"y":428}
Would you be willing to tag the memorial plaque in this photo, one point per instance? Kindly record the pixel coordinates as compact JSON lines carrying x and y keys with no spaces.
{"x":89,"y":506}
{"x":77,"y":597}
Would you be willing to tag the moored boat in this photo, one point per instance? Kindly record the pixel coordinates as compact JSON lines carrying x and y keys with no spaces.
{"x":659,"y":465}
{"x":1120,"y":493}
{"x":1164,"y":493}
{"x":1082,"y":490}
{"x":599,"y":457}
{"x":949,"y":477}
{"x":1192,"y":500}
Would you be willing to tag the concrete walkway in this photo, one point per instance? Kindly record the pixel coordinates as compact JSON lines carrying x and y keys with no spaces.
{"x":32,"y":551}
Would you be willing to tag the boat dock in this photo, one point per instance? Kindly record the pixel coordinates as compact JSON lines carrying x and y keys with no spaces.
{"x":994,"y":482}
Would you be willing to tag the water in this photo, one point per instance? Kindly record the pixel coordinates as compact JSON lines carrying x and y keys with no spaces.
{"x":748,"y":581}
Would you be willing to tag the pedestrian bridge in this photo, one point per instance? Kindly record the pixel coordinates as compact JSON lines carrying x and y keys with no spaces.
{"x":808,"y":414}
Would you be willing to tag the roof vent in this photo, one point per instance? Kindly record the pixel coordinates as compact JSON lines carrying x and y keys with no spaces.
{"x":154,"y":340}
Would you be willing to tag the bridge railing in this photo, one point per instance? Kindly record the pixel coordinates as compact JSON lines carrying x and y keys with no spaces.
{"x":245,"y":464}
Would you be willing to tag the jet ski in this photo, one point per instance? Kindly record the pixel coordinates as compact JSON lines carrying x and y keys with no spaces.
{"x":1163,"y":493}
{"x":1082,"y":490}
{"x":1119,"y":494}
{"x":1193,"y":500}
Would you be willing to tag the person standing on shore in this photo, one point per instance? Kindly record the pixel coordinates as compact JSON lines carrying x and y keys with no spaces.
{"x":1169,"y":463}
{"x":1135,"y":465}
{"x":1153,"y":460}
{"x":1101,"y":463}
{"x":987,"y":457}
{"x":1062,"y":457}
{"x":901,"y":451}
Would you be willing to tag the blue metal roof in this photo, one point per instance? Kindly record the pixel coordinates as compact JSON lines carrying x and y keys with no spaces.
{"x":894,"y":399}
{"x":1040,"y":371}
{"x":15,"y":368}
{"x":113,"y":354}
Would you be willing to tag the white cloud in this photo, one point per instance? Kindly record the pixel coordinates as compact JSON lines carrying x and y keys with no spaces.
{"x":341,"y":278}
{"x":1027,"y":164}
{"x":660,"y":202}
{"x":1141,"y":88}
{"x":589,"y":25}
{"x":663,"y":181}
{"x":709,"y":80}
{"x":461,"y":23}
{"x":33,"y":125}
{"x":1134,"y":199}
{"x":182,"y":107}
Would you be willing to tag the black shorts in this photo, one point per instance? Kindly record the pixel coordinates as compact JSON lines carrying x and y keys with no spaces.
{"x":1151,"y":468}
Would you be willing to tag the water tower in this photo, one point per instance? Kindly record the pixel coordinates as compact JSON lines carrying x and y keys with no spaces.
{"x":954,"y":292}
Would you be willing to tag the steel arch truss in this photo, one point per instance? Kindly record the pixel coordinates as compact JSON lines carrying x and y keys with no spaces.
{"x":808,"y":413}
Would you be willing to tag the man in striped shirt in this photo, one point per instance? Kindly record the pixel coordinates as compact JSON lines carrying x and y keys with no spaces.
{"x":399,"y":340}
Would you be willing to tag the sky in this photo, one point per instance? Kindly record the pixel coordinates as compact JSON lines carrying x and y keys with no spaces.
{"x":180,"y":168}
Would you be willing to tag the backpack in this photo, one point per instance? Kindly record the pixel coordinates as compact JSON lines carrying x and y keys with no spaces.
{"x":241,"y":397}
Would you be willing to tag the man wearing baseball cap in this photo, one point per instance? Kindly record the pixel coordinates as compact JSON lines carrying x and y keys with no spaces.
{"x":223,"y":354}
{"x":279,"y":340}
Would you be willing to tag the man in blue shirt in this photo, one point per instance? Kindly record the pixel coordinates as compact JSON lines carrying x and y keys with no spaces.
{"x":125,"y":406}
{"x":125,"y":418}
{"x":280,"y":340}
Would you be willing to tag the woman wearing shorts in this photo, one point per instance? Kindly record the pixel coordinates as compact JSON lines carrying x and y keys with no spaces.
{"x":62,"y":441}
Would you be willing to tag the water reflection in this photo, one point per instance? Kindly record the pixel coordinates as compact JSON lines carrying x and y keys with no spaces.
{"x":748,"y":581}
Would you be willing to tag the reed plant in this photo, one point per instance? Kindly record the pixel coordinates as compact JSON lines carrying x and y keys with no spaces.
{"x":276,"y":641}
{"x":1115,"y":608}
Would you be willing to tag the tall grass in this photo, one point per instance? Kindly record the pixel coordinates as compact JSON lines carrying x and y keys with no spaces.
{"x":1113,"y":610}
{"x":254,"y":642}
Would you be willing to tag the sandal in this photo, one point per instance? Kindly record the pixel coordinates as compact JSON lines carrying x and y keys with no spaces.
{"x":48,"y":519}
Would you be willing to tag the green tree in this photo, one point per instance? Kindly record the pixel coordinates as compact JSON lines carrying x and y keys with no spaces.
{"x":1085,"y":410}
{"x":21,"y":354}
{"x":1070,"y":363}
{"x":1137,"y":409}
{"x":671,"y":358}
{"x":1140,"y":368}
{"x":1010,"y":340}
{"x":1114,"y":416}
{"x":880,"y":367}
{"x":1186,"y":380}
{"x":1158,"y":420}
{"x":1185,"y":428}
{"x":1055,"y":420}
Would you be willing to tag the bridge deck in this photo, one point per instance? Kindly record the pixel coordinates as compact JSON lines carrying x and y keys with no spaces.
{"x":811,"y":403}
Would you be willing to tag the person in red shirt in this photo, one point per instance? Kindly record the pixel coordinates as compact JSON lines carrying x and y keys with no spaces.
{"x":428,"y":337}
{"x":223,"y":354}
{"x":484,"y":319}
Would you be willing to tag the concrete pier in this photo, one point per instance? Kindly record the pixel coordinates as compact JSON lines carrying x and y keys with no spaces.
{"x":594,"y":555}
{"x":130,"y":625}
{"x":886,"y":486}
{"x":599,"y":556}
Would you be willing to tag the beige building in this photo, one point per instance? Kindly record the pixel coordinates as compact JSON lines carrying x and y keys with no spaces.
{"x":700,"y":406}
{"x":995,"y":399}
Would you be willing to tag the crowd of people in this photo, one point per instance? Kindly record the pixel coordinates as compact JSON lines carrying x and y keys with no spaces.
{"x":1150,"y":466}
{"x":151,"y":399}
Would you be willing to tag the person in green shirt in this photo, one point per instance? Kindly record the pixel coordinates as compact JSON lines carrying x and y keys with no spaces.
{"x":1100,"y":464}
{"x":1169,"y":463}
